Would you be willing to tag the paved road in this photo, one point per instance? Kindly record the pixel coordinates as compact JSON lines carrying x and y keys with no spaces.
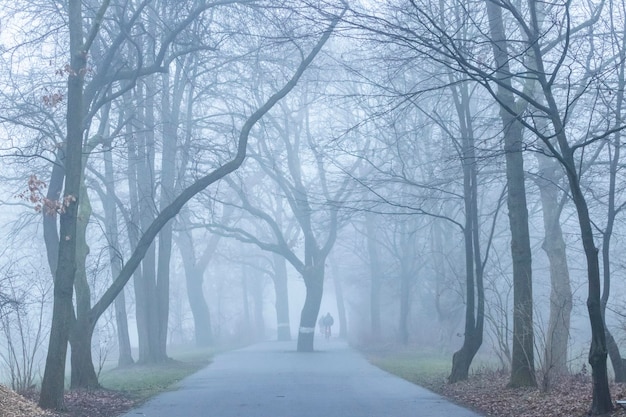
{"x":272,"y":380}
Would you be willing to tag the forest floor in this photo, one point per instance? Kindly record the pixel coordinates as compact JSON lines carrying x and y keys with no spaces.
{"x":98,"y":403}
{"x":487,"y":393}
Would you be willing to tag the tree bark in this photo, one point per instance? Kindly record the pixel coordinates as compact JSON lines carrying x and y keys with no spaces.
{"x":522,"y":364}
{"x":83,"y":374}
{"x":601,"y":397}
{"x":52,"y":386}
{"x":375,"y":274}
{"x":145,"y":285}
{"x":257,"y":303}
{"x":405,"y":305}
{"x":341,"y":305}
{"x":619,"y":369}
{"x":475,"y":296}
{"x":557,"y":337}
{"x":110,"y":215}
{"x":194,"y":278}
{"x":314,"y":282}
{"x":170,"y":111}
{"x":282,"y":298}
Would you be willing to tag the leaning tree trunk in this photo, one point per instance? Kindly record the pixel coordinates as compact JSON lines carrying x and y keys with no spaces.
{"x":475,"y":297}
{"x":601,"y":402}
{"x":314,"y":281}
{"x":474,"y":303}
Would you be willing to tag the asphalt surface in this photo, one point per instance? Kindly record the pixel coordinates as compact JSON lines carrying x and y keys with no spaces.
{"x":273,"y":380}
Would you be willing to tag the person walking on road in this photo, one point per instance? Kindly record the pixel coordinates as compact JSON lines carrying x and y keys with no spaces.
{"x":328,"y":322}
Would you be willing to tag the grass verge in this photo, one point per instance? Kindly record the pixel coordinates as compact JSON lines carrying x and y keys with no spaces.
{"x":422,"y":368}
{"x":144,"y":381}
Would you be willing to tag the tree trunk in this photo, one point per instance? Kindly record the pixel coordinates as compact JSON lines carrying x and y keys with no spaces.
{"x":616,"y":357}
{"x":110,"y":223}
{"x":50,"y":226}
{"x":475,"y":297}
{"x":282,"y":298}
{"x":53,"y":382}
{"x":194,"y":278}
{"x":83,"y":374}
{"x":522,"y":361}
{"x":601,"y":402}
{"x":146,"y":299}
{"x":199,"y":308}
{"x":613,"y":349}
{"x":170,"y":110}
{"x":163,"y":288}
{"x":257,"y":300}
{"x":314,"y":282}
{"x":463,"y":358}
{"x":245,"y":303}
{"x":557,"y":337}
{"x":375,"y":275}
{"x":341,"y":306}
{"x":405,"y":305}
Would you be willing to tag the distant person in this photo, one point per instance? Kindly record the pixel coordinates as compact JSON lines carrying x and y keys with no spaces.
{"x":328,"y":323}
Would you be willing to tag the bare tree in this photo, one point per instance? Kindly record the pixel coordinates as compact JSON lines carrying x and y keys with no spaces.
{"x":53,"y":384}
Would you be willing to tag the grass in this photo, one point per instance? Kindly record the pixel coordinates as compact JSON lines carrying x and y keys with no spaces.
{"x":427,"y":369}
{"x":144,"y":381}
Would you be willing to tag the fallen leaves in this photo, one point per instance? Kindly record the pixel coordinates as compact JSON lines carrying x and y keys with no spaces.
{"x":80,"y":403}
{"x":488,"y":393}
{"x":14,"y":405}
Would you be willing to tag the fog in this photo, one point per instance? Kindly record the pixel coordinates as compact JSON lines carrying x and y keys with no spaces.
{"x":221,"y":174}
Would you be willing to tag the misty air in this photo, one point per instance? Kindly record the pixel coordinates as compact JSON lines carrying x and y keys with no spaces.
{"x":337,"y":208}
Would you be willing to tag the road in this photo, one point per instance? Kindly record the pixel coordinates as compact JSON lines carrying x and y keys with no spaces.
{"x":271,"y":379}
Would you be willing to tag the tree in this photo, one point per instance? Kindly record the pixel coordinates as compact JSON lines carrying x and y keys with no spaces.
{"x":195,"y":268}
{"x":557,"y":337}
{"x":53,"y":385}
{"x":376,"y":274}
{"x":300,"y":183}
{"x":538,"y":44}
{"x":524,"y":77}
{"x":522,"y":363}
